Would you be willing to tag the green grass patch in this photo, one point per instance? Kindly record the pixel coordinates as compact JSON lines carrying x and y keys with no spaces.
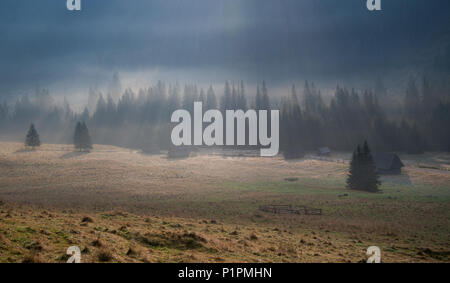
{"x":334,"y":187}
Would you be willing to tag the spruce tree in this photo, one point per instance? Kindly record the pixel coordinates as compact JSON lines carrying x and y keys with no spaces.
{"x":32,"y":138}
{"x":363,"y":175}
{"x":86,"y":142}
{"x":353,"y":181}
{"x":370,"y":175}
{"x":77,"y":136}
{"x":82,"y":139}
{"x":211,"y":100}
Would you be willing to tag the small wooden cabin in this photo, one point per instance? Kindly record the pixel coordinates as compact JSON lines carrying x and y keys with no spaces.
{"x":323,"y":151}
{"x":179,"y":152}
{"x":388,"y":163}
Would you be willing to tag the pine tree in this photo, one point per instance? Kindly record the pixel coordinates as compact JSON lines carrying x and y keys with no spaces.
{"x":354,"y":171}
{"x":81,"y":138}
{"x":242,"y":103}
{"x":265,"y":101}
{"x":77,"y":136}
{"x":211,"y":100}
{"x":225,"y":103}
{"x":32,"y":138}
{"x":412,"y":100}
{"x":258,"y":99}
{"x":370,"y":175}
{"x":363,"y":175}
{"x":85,"y":114}
{"x":86,"y":142}
{"x":291,"y":128}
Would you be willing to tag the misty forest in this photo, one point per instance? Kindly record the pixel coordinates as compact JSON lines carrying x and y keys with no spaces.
{"x":412,"y":122}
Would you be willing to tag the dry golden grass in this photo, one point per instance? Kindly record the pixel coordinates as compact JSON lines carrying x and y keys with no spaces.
{"x":120,"y":205}
{"x":34,"y":235}
{"x":110,"y":176}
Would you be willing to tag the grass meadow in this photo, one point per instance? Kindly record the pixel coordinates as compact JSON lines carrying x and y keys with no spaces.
{"x":119,"y":205}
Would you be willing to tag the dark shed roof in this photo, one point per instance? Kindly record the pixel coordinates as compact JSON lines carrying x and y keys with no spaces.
{"x":323,"y":150}
{"x":387,"y":161}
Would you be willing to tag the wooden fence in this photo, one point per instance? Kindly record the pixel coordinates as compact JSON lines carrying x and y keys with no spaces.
{"x":325,"y":158}
{"x":292,"y":209}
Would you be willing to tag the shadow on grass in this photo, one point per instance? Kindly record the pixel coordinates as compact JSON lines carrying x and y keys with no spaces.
{"x":401,"y":179}
{"x":178,"y":158}
{"x":73,"y":154}
{"x":25,"y":149}
{"x":149,"y":153}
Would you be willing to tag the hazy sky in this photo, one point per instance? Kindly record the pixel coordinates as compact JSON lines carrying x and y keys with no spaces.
{"x":210,"y":41}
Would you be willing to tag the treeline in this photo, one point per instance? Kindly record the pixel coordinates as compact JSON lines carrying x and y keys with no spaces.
{"x":417,"y":124}
{"x":308,"y":121}
{"x":349,"y":118}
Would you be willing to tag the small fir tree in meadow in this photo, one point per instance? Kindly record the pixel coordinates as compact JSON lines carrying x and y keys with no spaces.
{"x":32,"y":138}
{"x":77,"y":136}
{"x":82,"y":139}
{"x":353,"y":173}
{"x":363,"y":174}
{"x":86,"y":142}
{"x":370,"y":178}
